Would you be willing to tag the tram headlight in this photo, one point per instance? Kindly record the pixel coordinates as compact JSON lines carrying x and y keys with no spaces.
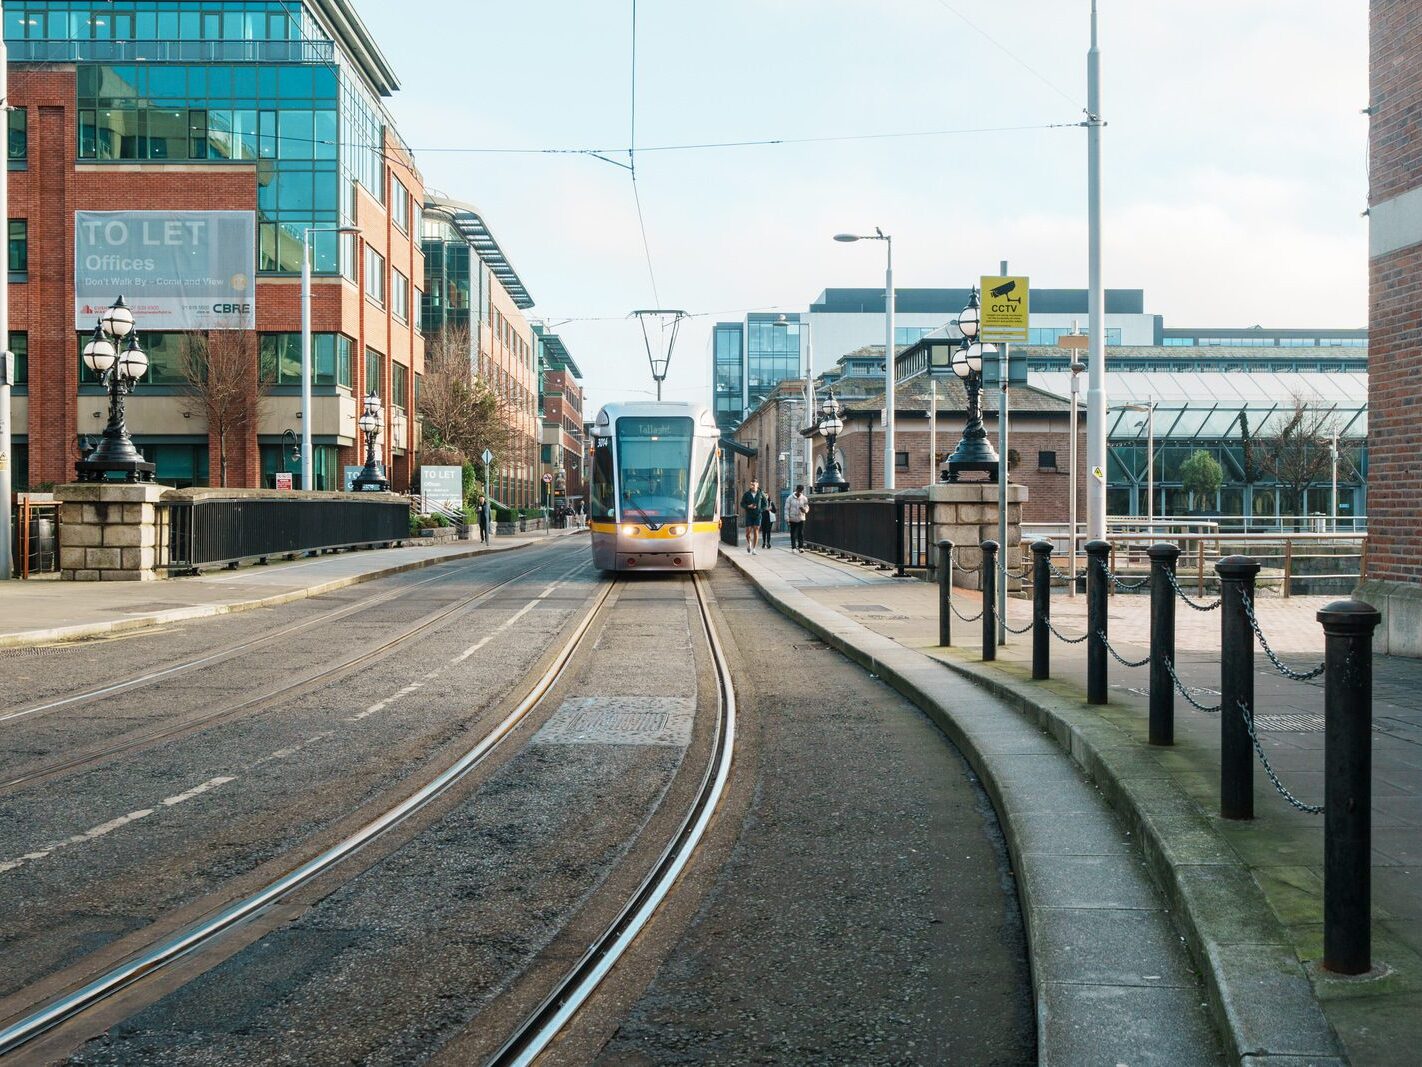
{"x":630,"y":531}
{"x":676,"y":531}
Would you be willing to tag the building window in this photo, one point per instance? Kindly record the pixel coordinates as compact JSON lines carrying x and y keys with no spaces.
{"x":1046,"y":461}
{"x":374,"y":381}
{"x":165,"y":358}
{"x":400,"y":296}
{"x":20,"y":345}
{"x":19,"y":134}
{"x":375,"y":275}
{"x":19,"y":246}
{"x":900,"y":461}
{"x":399,"y":385}
{"x":281,"y":358}
{"x":419,"y":307}
{"x":399,"y":205}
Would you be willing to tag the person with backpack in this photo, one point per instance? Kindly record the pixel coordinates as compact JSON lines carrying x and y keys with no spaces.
{"x":797,"y":507}
{"x":753,"y":504}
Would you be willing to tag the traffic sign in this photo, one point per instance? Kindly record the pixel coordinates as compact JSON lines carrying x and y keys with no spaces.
{"x":283,"y":479}
{"x":487,"y":457}
{"x":547,"y":478}
{"x":1077,"y":341}
{"x":1006,"y":308}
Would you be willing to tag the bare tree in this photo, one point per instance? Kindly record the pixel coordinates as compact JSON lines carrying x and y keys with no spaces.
{"x":459,"y":410}
{"x":1297,"y":452}
{"x":221,"y":371}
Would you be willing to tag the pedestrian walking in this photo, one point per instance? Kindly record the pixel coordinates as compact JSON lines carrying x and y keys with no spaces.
{"x":797,"y":507}
{"x":483,"y":520}
{"x":767,"y":523}
{"x":753,"y":503}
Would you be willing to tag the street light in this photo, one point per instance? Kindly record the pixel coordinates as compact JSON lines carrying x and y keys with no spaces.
{"x":114,"y":354}
{"x":289,"y":440}
{"x":1077,"y":369}
{"x":831,"y":477}
{"x":890,"y":352}
{"x":372,"y":476}
{"x":306,"y":450}
{"x":974,"y":452}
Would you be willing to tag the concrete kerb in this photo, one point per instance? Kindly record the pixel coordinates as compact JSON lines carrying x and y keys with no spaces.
{"x":57,"y":634}
{"x":1260,"y":997}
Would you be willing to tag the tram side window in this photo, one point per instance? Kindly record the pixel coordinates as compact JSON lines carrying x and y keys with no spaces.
{"x":706,"y":490}
{"x":603,"y":495}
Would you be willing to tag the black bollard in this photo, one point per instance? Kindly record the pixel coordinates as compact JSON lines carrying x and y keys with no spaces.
{"x":945,"y":593}
{"x":1162,"y":643}
{"x":1236,"y":687}
{"x":989,"y":583}
{"x":1096,"y":581}
{"x":1347,"y":784}
{"x":1041,"y":609}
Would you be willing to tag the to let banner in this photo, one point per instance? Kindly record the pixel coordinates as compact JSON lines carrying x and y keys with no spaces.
{"x":176,"y":270}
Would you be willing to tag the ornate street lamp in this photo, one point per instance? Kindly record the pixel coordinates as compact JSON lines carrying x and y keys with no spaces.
{"x":372,"y":476}
{"x":831,"y":475}
{"x":974,"y":452}
{"x":114,"y":354}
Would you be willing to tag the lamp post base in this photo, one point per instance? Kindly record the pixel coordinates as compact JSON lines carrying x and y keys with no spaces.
{"x":100,"y":469}
{"x":371,"y":479}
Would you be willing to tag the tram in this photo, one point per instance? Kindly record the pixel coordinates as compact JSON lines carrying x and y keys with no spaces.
{"x":656,"y":487}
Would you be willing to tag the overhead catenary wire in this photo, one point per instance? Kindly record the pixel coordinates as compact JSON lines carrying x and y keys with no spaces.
{"x":1008,"y":52}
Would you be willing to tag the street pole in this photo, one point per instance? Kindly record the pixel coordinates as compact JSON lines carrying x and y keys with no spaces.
{"x":1150,"y":467}
{"x":1096,"y":302}
{"x":1071,"y":495}
{"x":889,"y":368}
{"x":1333,"y":506}
{"x":809,"y":442}
{"x":7,"y":370}
{"x":306,"y":485}
{"x":1002,"y":476}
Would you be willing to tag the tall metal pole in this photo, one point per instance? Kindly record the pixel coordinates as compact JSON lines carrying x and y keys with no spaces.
{"x":1333,"y":506}
{"x":1071,"y":495}
{"x":1002,"y":476}
{"x":1150,"y":466}
{"x":1096,"y":303}
{"x":889,"y":368}
{"x":809,"y":404}
{"x":7,"y":371}
{"x":306,"y":483}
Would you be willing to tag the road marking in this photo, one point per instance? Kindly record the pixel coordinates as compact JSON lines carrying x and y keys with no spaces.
{"x":509,"y":622}
{"x":291,"y":750}
{"x":106,"y":828}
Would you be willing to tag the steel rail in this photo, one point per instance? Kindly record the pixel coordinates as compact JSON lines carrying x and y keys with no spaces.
{"x":154,"y":959}
{"x":540,"y":1028}
{"x":142,"y":680}
{"x":344,"y":666}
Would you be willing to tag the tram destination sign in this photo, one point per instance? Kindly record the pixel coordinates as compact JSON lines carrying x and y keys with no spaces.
{"x":177,"y":270}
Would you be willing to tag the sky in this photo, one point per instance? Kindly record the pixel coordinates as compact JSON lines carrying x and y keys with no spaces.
{"x":1234,"y":173}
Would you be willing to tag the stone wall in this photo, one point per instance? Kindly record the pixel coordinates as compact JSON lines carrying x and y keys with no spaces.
{"x":109,"y":532}
{"x":967,"y":515}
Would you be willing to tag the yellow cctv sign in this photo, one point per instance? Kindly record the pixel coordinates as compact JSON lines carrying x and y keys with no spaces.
{"x":1006,"y":303}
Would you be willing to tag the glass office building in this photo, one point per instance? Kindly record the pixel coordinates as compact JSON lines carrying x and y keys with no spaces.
{"x":749,"y":359}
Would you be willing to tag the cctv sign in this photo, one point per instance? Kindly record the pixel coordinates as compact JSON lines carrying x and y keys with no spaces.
{"x":1005,"y":309}
{"x":177,"y":270}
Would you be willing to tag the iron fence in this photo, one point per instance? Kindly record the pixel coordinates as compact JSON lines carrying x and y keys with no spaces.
{"x":889,"y":532}
{"x":199,"y":533}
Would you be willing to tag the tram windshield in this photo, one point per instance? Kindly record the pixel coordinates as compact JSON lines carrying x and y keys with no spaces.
{"x":654,"y":468}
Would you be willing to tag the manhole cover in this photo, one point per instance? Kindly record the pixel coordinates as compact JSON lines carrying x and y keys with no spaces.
{"x":620,"y":721}
{"x":870,"y":609}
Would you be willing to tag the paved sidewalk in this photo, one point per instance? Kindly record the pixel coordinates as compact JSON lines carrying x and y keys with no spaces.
{"x":41,"y":611}
{"x":1272,"y":864}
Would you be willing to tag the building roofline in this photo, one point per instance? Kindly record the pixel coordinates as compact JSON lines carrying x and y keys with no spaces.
{"x":470,"y":223}
{"x":353,"y":36}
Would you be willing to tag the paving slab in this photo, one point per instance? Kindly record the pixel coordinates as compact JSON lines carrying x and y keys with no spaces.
{"x":45,"y":611}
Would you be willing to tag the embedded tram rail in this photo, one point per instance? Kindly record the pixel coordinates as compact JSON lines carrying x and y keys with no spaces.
{"x":558,"y":1007}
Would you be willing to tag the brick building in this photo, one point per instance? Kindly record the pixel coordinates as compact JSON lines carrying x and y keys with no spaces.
{"x":561,"y":407}
{"x":274,"y":110}
{"x":1395,"y":322}
{"x":1040,"y":438}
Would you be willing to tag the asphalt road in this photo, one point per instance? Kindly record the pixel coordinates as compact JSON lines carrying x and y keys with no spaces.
{"x":852,"y":903}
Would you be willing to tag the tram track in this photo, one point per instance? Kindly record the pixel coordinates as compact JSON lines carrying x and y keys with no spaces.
{"x":541,"y":1027}
{"x":191,"y":723}
{"x":149,"y":962}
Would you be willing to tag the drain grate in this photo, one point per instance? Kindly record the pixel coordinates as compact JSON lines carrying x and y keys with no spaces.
{"x":620,"y":721}
{"x":1298,"y":724}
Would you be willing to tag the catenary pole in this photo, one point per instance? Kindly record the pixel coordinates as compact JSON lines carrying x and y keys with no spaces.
{"x":306,"y":484}
{"x":889,"y":368}
{"x":809,"y":402}
{"x":1096,"y":303}
{"x":932,"y":431}
{"x":7,"y":371}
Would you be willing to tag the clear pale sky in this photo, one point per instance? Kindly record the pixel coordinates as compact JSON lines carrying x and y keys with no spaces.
{"x":1235,"y":156}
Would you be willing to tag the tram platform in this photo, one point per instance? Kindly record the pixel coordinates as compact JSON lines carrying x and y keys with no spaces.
{"x":1247,"y":896}
{"x":45,"y":611}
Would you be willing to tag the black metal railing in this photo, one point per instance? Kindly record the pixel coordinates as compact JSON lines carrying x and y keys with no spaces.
{"x":199,"y":533}
{"x":889,"y":532}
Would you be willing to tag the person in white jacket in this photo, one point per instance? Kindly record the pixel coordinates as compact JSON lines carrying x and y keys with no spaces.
{"x":797,"y":506}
